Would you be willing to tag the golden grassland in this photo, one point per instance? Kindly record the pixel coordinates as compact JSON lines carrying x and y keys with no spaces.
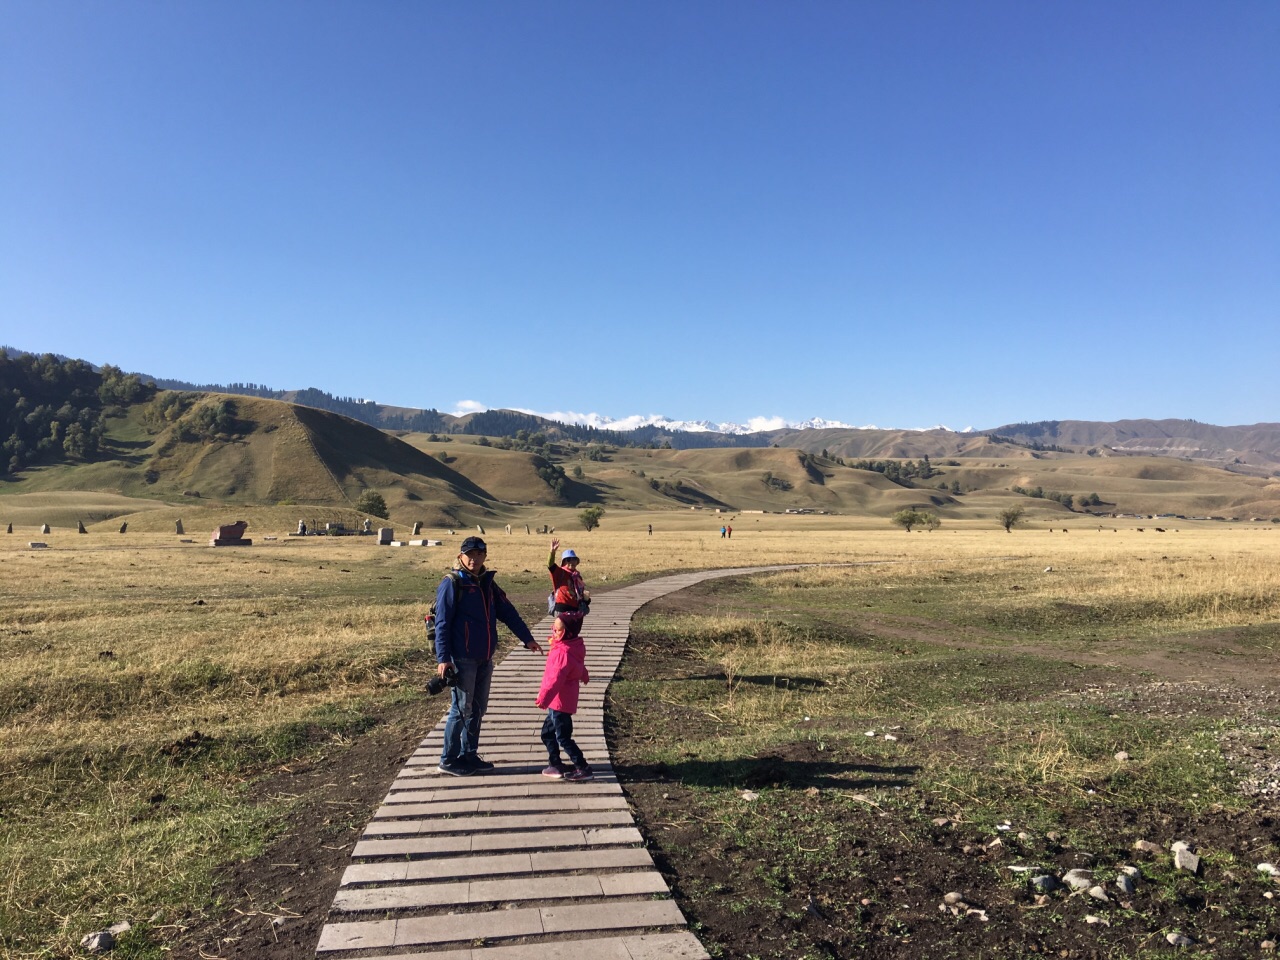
{"x":115,"y":651}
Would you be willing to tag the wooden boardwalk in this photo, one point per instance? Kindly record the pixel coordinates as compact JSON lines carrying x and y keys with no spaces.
{"x":511,"y":865}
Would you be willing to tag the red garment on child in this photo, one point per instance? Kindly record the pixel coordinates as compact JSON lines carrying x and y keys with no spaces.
{"x":566,"y":668}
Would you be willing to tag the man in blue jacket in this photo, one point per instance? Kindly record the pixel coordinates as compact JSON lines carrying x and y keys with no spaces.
{"x":468,"y":607}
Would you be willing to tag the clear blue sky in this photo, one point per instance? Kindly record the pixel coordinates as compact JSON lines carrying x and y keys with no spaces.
{"x":899,"y":213}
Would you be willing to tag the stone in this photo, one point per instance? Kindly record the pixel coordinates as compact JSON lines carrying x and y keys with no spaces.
{"x":11,"y":528}
{"x":37,"y":545}
{"x":1178,"y":940}
{"x":102,"y":941}
{"x":1122,"y":756}
{"x":44,"y":528}
{"x":1267,"y":945}
{"x":1098,"y":893}
{"x":953,"y":898}
{"x":177,"y":528}
{"x":302,"y":528}
{"x":1090,"y":918}
{"x":479,"y":529}
{"x":231,"y":535}
{"x":1146,"y":846}
{"x":417,"y":527}
{"x":124,"y":527}
{"x":1045,"y":883}
{"x":367,"y":525}
{"x":1078,"y":880}
{"x":80,"y":527}
{"x":1126,"y":885}
{"x":385,"y":536}
{"x":1184,"y":859}
{"x":1268,"y":868}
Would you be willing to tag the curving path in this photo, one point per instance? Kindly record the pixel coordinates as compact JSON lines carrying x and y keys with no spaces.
{"x":510,"y":865}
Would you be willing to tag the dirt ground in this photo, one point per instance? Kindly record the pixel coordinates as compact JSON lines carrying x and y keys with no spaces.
{"x":889,"y":897}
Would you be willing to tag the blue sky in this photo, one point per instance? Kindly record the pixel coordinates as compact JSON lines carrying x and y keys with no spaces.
{"x":893,"y":213}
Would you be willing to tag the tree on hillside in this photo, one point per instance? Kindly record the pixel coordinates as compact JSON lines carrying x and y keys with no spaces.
{"x":1009,"y":518}
{"x":372,"y":502}
{"x":590,"y":518}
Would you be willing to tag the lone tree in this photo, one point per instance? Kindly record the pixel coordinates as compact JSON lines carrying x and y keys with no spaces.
{"x":910,"y":517}
{"x":590,"y":518}
{"x":1009,"y":518}
{"x":371,"y":502}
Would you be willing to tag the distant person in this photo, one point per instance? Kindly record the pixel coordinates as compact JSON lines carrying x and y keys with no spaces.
{"x":722,"y":530}
{"x":730,"y":530}
{"x":469,"y":605}
{"x":651,"y":529}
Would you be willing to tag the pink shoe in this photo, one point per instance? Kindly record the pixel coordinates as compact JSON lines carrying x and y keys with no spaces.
{"x":554,"y":772}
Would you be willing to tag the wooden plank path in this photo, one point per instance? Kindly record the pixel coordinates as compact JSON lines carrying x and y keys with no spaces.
{"x":511,"y":865}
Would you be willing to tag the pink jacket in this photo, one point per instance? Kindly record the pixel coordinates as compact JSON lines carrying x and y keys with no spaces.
{"x":566,"y":668}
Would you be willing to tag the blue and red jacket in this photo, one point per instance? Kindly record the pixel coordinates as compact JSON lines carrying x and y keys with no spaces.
{"x":467,"y":613}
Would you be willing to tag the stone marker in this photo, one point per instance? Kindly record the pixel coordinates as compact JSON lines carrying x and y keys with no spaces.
{"x":480,"y":529}
{"x":11,"y":528}
{"x":80,"y":527}
{"x":417,"y":527}
{"x":231,"y":535}
{"x":367,"y":526}
{"x":177,"y":528}
{"x":36,"y":545}
{"x":44,"y":528}
{"x":302,"y":528}
{"x":385,"y":536}
{"x":124,"y":526}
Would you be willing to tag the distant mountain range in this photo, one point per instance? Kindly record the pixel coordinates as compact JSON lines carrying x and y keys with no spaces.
{"x":1249,"y":449}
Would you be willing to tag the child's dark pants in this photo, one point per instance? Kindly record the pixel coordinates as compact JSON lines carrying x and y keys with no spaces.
{"x":557,"y":733}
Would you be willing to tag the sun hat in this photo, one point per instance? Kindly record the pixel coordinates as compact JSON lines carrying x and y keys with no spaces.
{"x":472,"y":543}
{"x":568,"y":555}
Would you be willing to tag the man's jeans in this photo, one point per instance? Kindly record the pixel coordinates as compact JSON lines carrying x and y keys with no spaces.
{"x":466,"y":709}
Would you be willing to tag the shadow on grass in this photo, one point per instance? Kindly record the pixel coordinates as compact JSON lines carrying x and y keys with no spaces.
{"x":769,"y":771}
{"x":781,"y":683}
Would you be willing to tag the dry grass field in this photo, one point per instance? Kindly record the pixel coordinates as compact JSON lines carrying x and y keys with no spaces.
{"x":148,"y":686}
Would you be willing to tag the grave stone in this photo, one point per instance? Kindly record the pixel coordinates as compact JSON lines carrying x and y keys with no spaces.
{"x":417,"y":527}
{"x":231,"y":535}
{"x":368,"y":525}
{"x":44,"y":528}
{"x":385,"y":536}
{"x":177,"y":528}
{"x":36,"y":545}
{"x":124,"y":526}
{"x":11,"y":528}
{"x":80,"y":527}
{"x":302,"y":528}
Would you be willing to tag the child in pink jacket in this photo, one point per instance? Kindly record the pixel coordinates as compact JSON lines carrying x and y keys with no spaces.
{"x":566,"y":668}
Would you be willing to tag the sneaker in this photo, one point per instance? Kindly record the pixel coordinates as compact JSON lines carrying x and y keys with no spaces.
{"x":455,"y":769}
{"x":554,"y":772}
{"x":578,"y":774}
{"x":477,"y":764}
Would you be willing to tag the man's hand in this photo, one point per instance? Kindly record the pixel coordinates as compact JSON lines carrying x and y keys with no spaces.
{"x":535,"y":647}
{"x":441,"y":668}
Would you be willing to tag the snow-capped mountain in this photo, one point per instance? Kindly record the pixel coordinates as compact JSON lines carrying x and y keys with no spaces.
{"x":754,"y":425}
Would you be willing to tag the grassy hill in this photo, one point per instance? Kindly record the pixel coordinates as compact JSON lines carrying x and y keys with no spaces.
{"x":209,"y":458}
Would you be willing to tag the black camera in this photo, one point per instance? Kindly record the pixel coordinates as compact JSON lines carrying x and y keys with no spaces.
{"x":438,"y":683}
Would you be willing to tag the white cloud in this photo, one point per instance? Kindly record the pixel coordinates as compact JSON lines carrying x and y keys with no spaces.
{"x":759,"y":424}
{"x":463,"y":407}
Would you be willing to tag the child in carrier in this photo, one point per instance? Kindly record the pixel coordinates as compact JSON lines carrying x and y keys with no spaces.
{"x":570,"y":599}
{"x":566,"y":668}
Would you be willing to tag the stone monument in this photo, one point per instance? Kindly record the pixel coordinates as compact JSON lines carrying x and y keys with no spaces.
{"x":231,"y":535}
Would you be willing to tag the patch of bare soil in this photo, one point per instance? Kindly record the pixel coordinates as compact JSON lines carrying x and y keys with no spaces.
{"x":273,"y":906}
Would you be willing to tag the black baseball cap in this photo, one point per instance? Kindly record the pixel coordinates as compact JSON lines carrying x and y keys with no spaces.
{"x":472,"y":543}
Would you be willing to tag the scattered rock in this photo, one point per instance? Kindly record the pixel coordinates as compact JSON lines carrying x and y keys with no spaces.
{"x":1178,"y":940}
{"x":943,"y":821}
{"x":1122,"y":756}
{"x":1045,"y":883}
{"x":1078,"y":880}
{"x":953,"y":898}
{"x":120,"y":929}
{"x":1268,"y":868}
{"x":1125,"y":885}
{"x":1090,"y":918}
{"x":1146,"y":846}
{"x":750,"y":795}
{"x":1267,"y":945}
{"x":1184,"y":859}
{"x":1098,"y":893}
{"x":103,"y":941}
